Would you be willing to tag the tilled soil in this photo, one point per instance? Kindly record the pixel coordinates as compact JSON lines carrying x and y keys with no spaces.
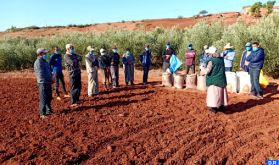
{"x":136,"y":125}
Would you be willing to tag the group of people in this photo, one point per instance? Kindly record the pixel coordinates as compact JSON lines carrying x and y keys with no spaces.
{"x":49,"y":70}
{"x":212,"y":64}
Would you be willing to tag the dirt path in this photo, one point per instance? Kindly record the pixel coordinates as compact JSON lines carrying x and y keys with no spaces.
{"x":136,"y":125}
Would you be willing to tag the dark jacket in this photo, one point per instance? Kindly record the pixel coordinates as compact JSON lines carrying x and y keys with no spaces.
{"x":56,"y":63}
{"x":42,"y":71}
{"x":170,"y":52}
{"x":104,"y":61}
{"x":72,"y":63}
{"x":115,"y":59}
{"x":242,"y":62}
{"x":145,"y":58}
{"x":217,"y":76}
{"x":256,"y":59}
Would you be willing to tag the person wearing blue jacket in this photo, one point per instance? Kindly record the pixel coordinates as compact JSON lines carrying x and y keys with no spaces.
{"x":56,"y":68}
{"x":44,"y":79}
{"x":256,"y":62}
{"x":145,"y":59}
{"x":228,"y":56}
{"x":243,"y":62}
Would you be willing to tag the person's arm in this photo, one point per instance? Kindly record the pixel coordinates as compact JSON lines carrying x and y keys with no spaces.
{"x":230,"y":56}
{"x":256,"y":57}
{"x":207,"y":70}
{"x":68,"y":60}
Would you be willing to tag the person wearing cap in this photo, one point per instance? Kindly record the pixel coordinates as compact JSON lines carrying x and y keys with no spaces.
{"x":56,"y":68}
{"x":256,"y":62}
{"x":243,"y":62}
{"x":228,"y":56}
{"x":216,"y":82}
{"x":190,"y":56}
{"x":128,"y":60}
{"x":104,"y":64}
{"x":72,"y":63}
{"x":92,"y":65}
{"x":204,"y":57}
{"x":114,"y":68}
{"x":44,"y":80}
{"x":167,"y":53}
{"x":145,"y":59}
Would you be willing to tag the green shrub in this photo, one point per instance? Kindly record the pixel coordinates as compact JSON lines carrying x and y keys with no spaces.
{"x":19,"y":53}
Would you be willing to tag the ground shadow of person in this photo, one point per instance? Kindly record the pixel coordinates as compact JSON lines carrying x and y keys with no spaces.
{"x":270,"y":91}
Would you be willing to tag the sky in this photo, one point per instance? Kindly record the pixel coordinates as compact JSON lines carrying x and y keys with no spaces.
{"x":23,"y":13}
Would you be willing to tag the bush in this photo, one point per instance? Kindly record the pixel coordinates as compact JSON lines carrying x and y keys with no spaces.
{"x":19,"y":53}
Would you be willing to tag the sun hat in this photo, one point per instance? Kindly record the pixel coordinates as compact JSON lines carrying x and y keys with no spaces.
{"x":212,"y":50}
{"x":68,"y":46}
{"x":102,"y":50}
{"x":41,"y":51}
{"x":89,"y":48}
{"x":228,"y":46}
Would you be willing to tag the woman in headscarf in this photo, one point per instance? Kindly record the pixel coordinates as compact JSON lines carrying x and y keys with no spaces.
{"x":243,"y":63}
{"x":216,"y":82}
{"x":128,"y":66}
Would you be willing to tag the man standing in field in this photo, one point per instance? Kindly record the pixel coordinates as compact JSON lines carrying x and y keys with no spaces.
{"x":228,"y":56}
{"x":190,"y":56}
{"x":44,"y":79}
{"x":72,"y":61}
{"x":145,"y":59}
{"x":92,"y":64}
{"x":56,"y":67}
{"x":256,"y":62}
{"x":168,"y":52}
{"x":114,"y":68}
{"x":104,"y":64}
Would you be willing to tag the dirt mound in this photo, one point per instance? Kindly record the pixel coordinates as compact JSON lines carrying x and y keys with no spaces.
{"x":228,"y":18}
{"x":136,"y":125}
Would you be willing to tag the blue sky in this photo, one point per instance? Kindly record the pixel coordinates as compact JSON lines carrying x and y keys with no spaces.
{"x":22,"y":13}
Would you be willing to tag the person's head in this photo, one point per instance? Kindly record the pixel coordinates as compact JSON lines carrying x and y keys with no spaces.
{"x":42,"y":52}
{"x":205,"y":47}
{"x":70,"y":48}
{"x":146,"y":47}
{"x":212,"y":51}
{"x":190,"y":46}
{"x":248,"y":46}
{"x":90,"y":49}
{"x":57,"y":50}
{"x":255,"y":46}
{"x":114,"y":49}
{"x":228,"y":47}
{"x":168,"y":45}
{"x":128,"y":50}
{"x":102,"y":51}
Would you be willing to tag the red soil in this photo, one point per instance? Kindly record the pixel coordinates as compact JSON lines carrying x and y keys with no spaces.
{"x":135,"y":125}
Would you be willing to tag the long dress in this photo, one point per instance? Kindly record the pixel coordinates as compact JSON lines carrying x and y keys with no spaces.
{"x":128,"y":66}
{"x":216,"y":96}
{"x":92,"y":70}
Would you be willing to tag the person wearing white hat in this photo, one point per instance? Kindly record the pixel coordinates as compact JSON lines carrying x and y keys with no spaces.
{"x":216,"y":82}
{"x":104,"y":64}
{"x":92,"y":64}
{"x":72,"y":63}
{"x":228,"y":56}
{"x":44,"y":80}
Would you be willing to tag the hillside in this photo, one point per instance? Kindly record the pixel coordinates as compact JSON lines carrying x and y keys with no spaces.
{"x":228,"y":18}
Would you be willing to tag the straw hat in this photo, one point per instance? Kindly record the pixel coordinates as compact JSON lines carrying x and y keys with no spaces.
{"x":212,"y":50}
{"x":89,"y":48}
{"x":228,"y":46}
